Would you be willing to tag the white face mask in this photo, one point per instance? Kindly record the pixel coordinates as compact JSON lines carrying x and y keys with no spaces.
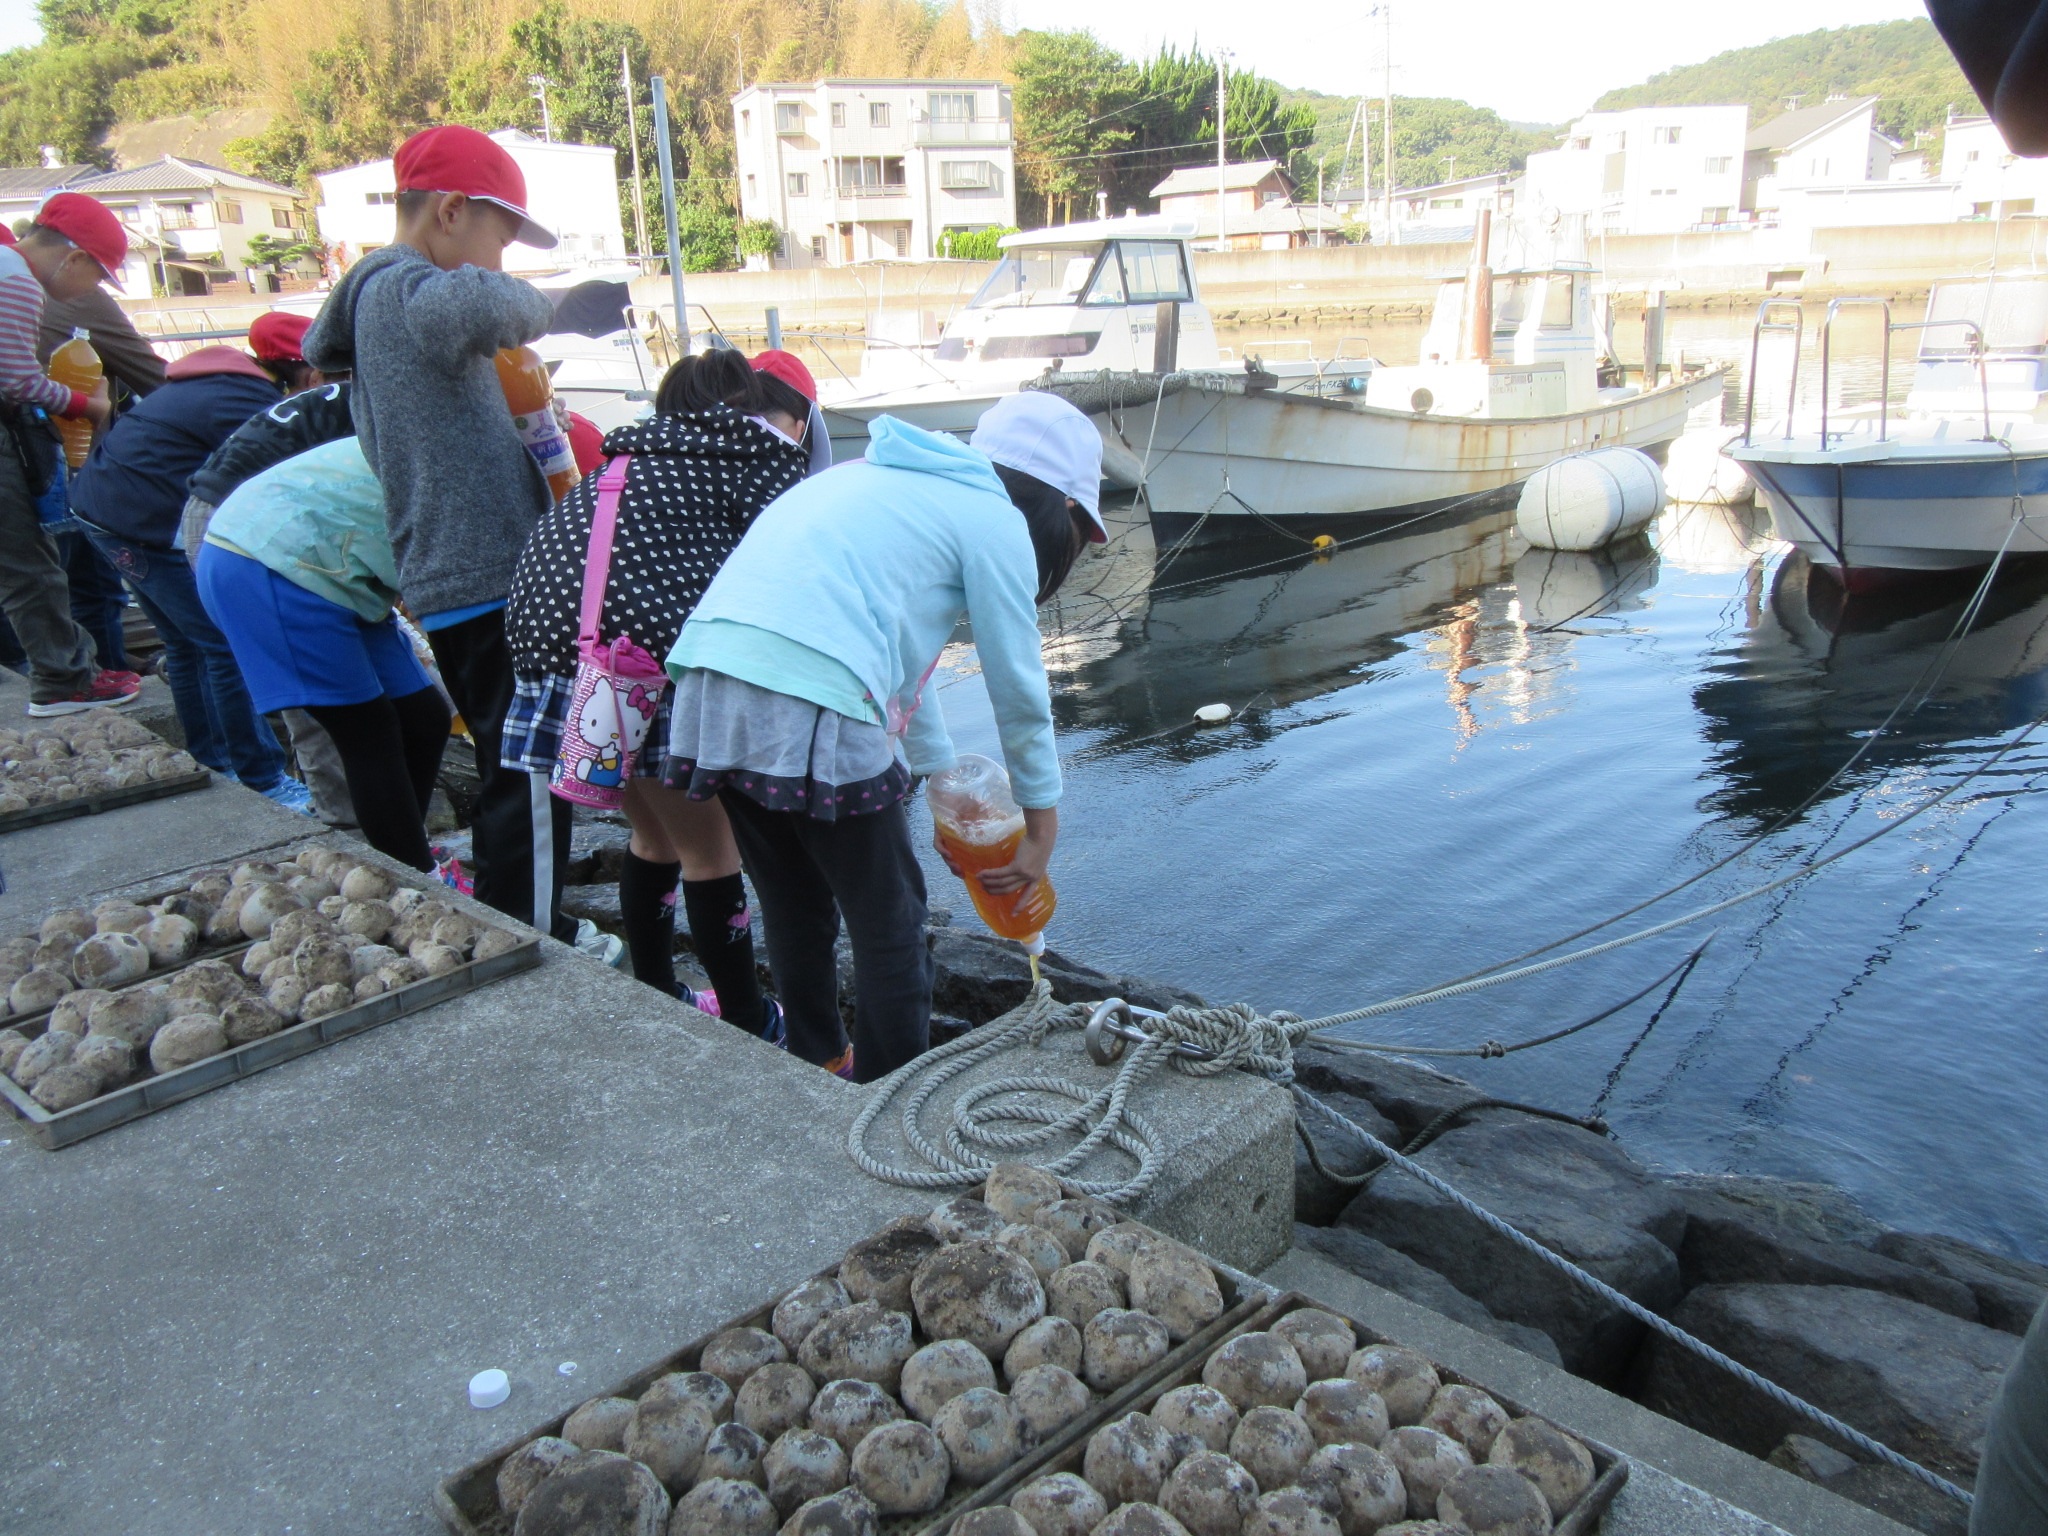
{"x":764,"y":421}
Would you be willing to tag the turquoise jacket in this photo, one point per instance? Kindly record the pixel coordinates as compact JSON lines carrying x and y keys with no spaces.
{"x":874,"y":564}
{"x":317,"y":519}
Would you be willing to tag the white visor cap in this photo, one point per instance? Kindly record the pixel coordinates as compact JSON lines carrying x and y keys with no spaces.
{"x":1045,"y":437}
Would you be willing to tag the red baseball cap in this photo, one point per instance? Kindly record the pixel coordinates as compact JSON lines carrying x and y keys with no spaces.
{"x":216,"y":359}
{"x":789,"y":368}
{"x":90,"y":225}
{"x":452,"y":158}
{"x":280,"y":336}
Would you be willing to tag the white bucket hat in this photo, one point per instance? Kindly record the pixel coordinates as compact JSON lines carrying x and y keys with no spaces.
{"x":1043,"y":436}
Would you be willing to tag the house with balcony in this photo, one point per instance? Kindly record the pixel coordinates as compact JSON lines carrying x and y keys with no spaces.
{"x":1829,"y":166}
{"x":1643,"y":171}
{"x":1259,"y":211}
{"x":193,"y":222}
{"x":855,"y":170}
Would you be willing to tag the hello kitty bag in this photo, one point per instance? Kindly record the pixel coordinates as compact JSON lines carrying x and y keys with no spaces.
{"x":618,"y":685}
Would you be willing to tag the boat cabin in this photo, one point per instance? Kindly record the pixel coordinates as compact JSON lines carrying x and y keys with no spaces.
{"x":1543,"y":359}
{"x":2011,"y":314}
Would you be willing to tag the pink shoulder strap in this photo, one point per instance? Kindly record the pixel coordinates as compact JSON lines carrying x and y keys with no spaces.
{"x":597,"y":564}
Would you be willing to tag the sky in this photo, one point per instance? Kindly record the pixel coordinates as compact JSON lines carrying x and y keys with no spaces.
{"x":1530,"y":62}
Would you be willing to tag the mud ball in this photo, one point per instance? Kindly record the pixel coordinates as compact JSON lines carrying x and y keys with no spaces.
{"x":1289,"y":1512}
{"x":803,"y":1464}
{"x":864,"y":1342}
{"x":902,"y":1468}
{"x":940,"y":1372}
{"x":120,"y":917}
{"x":212,"y":982}
{"x":73,"y":1011}
{"x":1324,"y":1341}
{"x":723,"y":1506}
{"x":1015,"y":1190}
{"x":75,"y":921}
{"x":190,"y":905}
{"x":264,"y":905}
{"x":804,"y":1308}
{"x":1559,"y":1466}
{"x":1036,"y":1246}
{"x":1060,"y":1505}
{"x":1427,"y":1461}
{"x":596,"y":1491}
{"x":699,"y":1387}
{"x":286,"y":995}
{"x":368,"y":921}
{"x":55,"y":954}
{"x":962,"y":1217}
{"x":132,"y":1017}
{"x":1209,"y":1494}
{"x":1128,"y":1461}
{"x":1174,"y":1284}
{"x":1198,"y":1411}
{"x":438,"y":959}
{"x":1342,"y":1411}
{"x":1079,"y":1291}
{"x":322,"y":1001}
{"x":1493,"y":1501}
{"x":1273,"y":1444}
{"x":12,"y":1043}
{"x":256,"y":959}
{"x":735,"y":1354}
{"x":250,"y":1018}
{"x":733,"y":1452}
{"x":1048,"y":1398}
{"x":668,"y":1436}
{"x":1049,"y":1341}
{"x":366,"y":884}
{"x":225,"y":926}
{"x":48,"y":1051}
{"x":321,"y":961}
{"x":254,"y":872}
{"x":1468,"y":1416}
{"x":525,"y":1469}
{"x":979,"y":1292}
{"x":1257,"y":1369}
{"x":880,"y":1268}
{"x":999,"y":1520}
{"x":600,"y":1424}
{"x":170,"y":940}
{"x":1140,"y":1520}
{"x":849,"y":1411}
{"x":1357,"y":1485}
{"x":775,"y":1399}
{"x":109,"y":1059}
{"x":110,"y":960}
{"x":1075,"y":1222}
{"x":982,"y":1433}
{"x":1404,"y":1379}
{"x":845,"y":1513}
{"x":493,"y":942}
{"x":294,"y":928}
{"x":66,"y":1087}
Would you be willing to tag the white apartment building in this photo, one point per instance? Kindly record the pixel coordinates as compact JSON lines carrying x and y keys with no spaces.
{"x":1826,"y":165}
{"x":1643,"y":171}
{"x":571,"y":188}
{"x":867,"y":170}
{"x":1991,"y":181}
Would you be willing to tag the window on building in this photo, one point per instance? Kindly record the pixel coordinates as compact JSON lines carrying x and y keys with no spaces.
{"x":380,"y":199}
{"x":281,"y":218}
{"x":750,"y":186}
{"x":2014,"y":206}
{"x":967,"y":175}
{"x":838,"y":114}
{"x":799,"y":184}
{"x":1713,"y":215}
{"x":746,"y":121}
{"x":1972,"y":156}
{"x":952,"y":106}
{"x":789,"y":117}
{"x":176,"y":215}
{"x":899,"y":237}
{"x":878,"y":114}
{"x":228,"y":212}
{"x":1447,"y":202}
{"x":817,"y":247}
{"x":1665,"y":135}
{"x":868,"y":175}
{"x":1717,"y":165}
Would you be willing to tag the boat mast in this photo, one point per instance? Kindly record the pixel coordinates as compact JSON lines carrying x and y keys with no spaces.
{"x":633,"y":128}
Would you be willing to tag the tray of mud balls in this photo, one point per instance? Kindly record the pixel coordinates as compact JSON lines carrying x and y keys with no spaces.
{"x":117,"y":1011}
{"x":1303,"y":1424}
{"x":77,"y":764}
{"x":935,"y":1367}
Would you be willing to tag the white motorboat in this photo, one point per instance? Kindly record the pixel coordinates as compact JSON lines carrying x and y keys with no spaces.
{"x":1509,"y":380}
{"x":1870,"y":499}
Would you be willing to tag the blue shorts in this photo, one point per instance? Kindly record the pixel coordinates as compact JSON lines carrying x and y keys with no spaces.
{"x":297,"y":649}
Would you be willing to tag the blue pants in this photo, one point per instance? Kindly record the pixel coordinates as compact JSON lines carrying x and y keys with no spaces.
{"x":222,"y":728}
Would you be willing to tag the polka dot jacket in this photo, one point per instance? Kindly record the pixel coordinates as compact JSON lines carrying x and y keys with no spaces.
{"x":696,"y":483}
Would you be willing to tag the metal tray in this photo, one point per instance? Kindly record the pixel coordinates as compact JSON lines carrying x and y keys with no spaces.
{"x":1610,"y":1467}
{"x":468,"y":1501}
{"x":105,"y":800}
{"x":154,"y":1093}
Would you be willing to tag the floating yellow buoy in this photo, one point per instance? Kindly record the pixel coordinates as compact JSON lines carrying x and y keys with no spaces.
{"x":1322,"y":541}
{"x":1213,"y":714}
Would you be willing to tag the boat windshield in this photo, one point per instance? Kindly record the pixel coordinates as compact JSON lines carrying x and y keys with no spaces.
{"x":2013,"y":314}
{"x":1042,"y":274}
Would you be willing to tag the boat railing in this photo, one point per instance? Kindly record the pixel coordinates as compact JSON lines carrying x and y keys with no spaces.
{"x":1884,"y":387}
{"x":1796,"y":328}
{"x":1976,"y":352}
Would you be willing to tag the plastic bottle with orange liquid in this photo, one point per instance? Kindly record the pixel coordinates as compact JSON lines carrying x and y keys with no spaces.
{"x":76,"y":366}
{"x":980,"y":825}
{"x":531,"y":395}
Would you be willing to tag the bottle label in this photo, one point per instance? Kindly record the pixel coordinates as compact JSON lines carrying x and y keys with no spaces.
{"x":545,"y":440}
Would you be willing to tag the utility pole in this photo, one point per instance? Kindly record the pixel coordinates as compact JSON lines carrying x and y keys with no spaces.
{"x":1222,"y":142}
{"x":633,"y":131}
{"x":664,"y":158}
{"x":1387,"y":118}
{"x":1319,"y":197}
{"x":540,"y":94}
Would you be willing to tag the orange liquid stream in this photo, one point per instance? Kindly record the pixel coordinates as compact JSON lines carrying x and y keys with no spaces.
{"x":76,"y":366}
{"x":1017,"y":915}
{"x":531,"y":395}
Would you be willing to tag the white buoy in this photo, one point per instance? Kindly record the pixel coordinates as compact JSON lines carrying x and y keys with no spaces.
{"x":1586,"y":501}
{"x":1213,"y":714}
{"x":1696,"y":470}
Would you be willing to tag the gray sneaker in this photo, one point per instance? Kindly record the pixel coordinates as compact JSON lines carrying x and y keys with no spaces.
{"x":599,"y":945}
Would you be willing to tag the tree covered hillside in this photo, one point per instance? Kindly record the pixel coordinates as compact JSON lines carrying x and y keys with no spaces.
{"x":1904,"y":62}
{"x":1432,"y":135}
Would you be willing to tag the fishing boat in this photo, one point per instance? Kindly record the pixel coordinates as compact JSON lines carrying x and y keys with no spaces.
{"x":1510,"y":378}
{"x":1870,"y":498}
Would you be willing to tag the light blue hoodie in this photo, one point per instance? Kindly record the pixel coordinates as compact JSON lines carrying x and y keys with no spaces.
{"x":871,"y":565}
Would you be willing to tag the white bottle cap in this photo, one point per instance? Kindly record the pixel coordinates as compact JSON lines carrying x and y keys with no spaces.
{"x":1035,"y":945}
{"x":487,"y":1389}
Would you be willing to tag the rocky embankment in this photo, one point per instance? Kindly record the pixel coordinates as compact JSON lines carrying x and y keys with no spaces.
{"x":1904,"y":1335}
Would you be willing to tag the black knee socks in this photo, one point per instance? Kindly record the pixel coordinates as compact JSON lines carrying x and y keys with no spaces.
{"x":724,"y":939}
{"x":647,"y":910}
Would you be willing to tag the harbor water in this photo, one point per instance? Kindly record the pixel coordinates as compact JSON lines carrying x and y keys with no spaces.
{"x":1451,"y":748}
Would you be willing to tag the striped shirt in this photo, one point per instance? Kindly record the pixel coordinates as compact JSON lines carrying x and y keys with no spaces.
{"x":22,"y":380}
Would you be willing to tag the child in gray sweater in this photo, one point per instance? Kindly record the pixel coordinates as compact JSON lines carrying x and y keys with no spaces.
{"x":418,"y":323}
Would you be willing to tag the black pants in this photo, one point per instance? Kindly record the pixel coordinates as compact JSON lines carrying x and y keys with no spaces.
{"x":390,"y":751}
{"x":806,"y":873}
{"x":522,"y":831}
